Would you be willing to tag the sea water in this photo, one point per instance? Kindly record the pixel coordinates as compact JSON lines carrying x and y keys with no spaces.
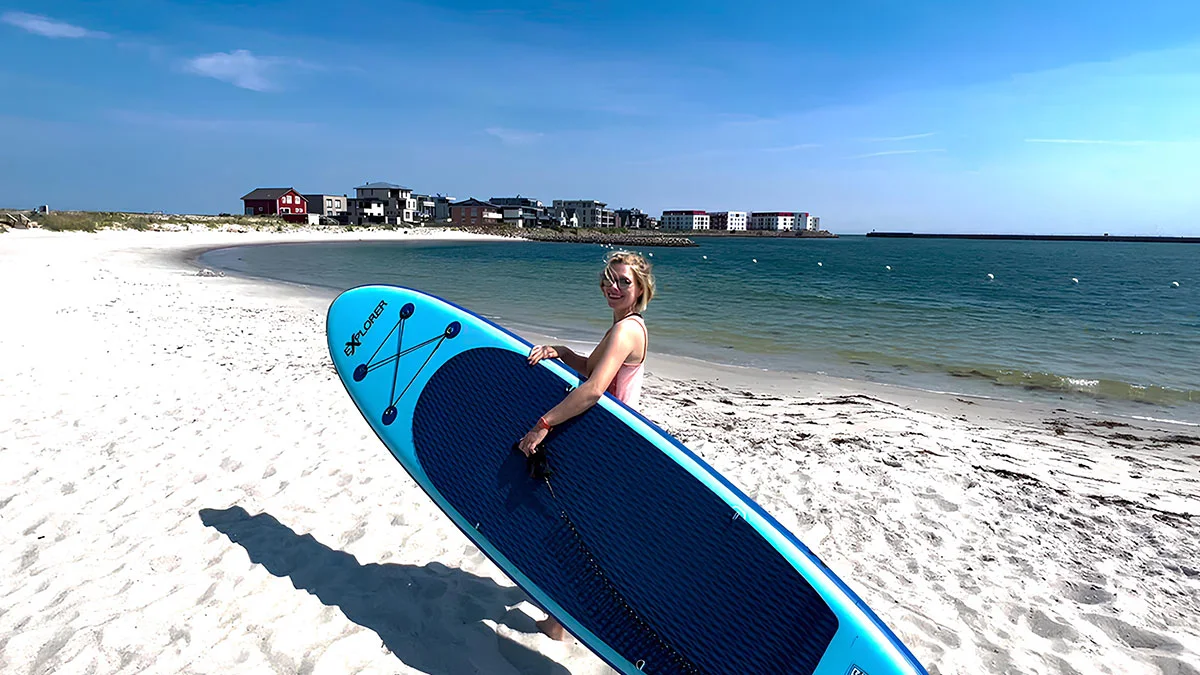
{"x":1114,"y":327}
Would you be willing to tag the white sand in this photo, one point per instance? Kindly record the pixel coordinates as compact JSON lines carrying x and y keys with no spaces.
{"x":187,"y":488}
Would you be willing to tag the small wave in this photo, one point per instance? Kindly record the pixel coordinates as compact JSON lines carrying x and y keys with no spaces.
{"x":1146,"y":418}
{"x":1092,"y":387}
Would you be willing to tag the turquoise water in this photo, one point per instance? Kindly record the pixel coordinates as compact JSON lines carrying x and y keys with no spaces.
{"x":1122,"y":339}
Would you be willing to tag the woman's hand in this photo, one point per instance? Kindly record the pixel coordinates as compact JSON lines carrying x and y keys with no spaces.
{"x":534,"y":438}
{"x":542,"y":352}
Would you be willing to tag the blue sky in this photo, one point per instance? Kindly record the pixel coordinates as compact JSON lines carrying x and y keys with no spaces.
{"x":1062,"y":117}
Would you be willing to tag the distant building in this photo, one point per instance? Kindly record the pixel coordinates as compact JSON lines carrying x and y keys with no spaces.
{"x":528,"y":202}
{"x":426,"y":208}
{"x":302,"y":218}
{"x":727,"y":220}
{"x":587,"y":212}
{"x":274,"y":202}
{"x":383,"y":203}
{"x":522,"y":211}
{"x":441,"y":208}
{"x":685,"y":220}
{"x":633,"y":219}
{"x":432,"y":208}
{"x":475,"y":213}
{"x":807,"y":221}
{"x":772,"y":220}
{"x":330,"y":206}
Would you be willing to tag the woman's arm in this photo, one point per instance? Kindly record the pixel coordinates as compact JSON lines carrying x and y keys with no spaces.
{"x":564,"y":354}
{"x":577,"y":361}
{"x":612,"y":353}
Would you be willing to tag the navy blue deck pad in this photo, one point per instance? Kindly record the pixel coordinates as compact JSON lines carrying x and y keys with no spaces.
{"x":705,"y":588}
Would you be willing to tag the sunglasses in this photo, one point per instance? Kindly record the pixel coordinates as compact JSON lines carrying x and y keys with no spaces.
{"x":621,"y":282}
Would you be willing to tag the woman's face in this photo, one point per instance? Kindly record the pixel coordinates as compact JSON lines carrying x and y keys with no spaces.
{"x":619,"y":286}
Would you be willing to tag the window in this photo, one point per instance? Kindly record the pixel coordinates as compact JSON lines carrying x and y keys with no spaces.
{"x":329,"y":203}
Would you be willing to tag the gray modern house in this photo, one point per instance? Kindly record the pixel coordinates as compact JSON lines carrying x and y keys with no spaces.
{"x":330,"y":206}
{"x":383,"y":204}
{"x":587,"y":212}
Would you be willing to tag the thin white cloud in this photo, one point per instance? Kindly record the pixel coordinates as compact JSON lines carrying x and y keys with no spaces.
{"x":513,"y":136}
{"x":909,"y":137}
{"x":898,"y":152}
{"x":47,"y":27}
{"x":791,"y":148}
{"x":241,"y":68}
{"x":1088,"y":141}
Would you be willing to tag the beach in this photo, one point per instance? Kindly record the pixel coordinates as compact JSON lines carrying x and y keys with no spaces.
{"x":189,"y":489}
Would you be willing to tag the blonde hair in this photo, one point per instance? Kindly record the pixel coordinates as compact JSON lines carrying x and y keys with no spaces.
{"x":643,"y":274}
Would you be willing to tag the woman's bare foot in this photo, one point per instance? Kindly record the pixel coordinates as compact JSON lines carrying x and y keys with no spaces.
{"x":552,"y":628}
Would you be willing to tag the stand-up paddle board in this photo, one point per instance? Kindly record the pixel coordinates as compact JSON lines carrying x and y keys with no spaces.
{"x":641,"y":550}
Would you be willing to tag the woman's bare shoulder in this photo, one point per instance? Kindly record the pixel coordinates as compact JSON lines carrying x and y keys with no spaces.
{"x":633,"y":325}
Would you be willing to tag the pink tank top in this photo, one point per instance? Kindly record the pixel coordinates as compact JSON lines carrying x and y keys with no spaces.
{"x":626,"y":386}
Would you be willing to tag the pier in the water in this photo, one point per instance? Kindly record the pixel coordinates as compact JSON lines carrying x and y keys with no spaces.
{"x":1038,"y":237}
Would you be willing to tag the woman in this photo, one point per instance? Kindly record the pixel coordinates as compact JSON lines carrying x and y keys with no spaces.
{"x":616,"y":364}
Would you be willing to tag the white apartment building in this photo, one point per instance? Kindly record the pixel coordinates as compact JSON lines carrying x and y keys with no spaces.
{"x":772,"y":220}
{"x":728,"y":220}
{"x":807,"y":221}
{"x":685,"y":220}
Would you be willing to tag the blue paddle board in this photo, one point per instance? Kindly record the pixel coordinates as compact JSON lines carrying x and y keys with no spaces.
{"x":640,"y":549}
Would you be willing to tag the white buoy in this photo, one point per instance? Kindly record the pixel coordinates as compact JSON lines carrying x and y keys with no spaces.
{"x":705,"y":257}
{"x":1175,"y":284}
{"x":889,"y":267}
{"x":650,"y":254}
{"x":754,"y":260}
{"x":991,"y":276}
{"x":1075,"y":279}
{"x":820,"y":264}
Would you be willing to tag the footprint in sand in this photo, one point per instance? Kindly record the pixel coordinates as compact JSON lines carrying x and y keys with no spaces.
{"x":1132,"y":636}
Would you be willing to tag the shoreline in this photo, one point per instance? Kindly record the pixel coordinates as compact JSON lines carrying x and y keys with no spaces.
{"x":690,"y":367}
{"x":188,"y":483}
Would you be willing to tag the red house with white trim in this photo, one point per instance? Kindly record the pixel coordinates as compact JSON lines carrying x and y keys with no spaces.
{"x":274,"y":201}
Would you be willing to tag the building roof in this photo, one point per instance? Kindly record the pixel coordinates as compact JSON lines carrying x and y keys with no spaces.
{"x":268,"y":193}
{"x":591,"y":202}
{"x":774,"y":214}
{"x":381,"y":186}
{"x":474,"y":202}
{"x":685,"y":213}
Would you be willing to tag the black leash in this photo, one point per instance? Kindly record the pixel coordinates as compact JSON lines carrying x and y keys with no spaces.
{"x":538,"y":465}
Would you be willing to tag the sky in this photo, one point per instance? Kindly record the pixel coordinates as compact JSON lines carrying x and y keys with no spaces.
{"x":918,"y":115}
